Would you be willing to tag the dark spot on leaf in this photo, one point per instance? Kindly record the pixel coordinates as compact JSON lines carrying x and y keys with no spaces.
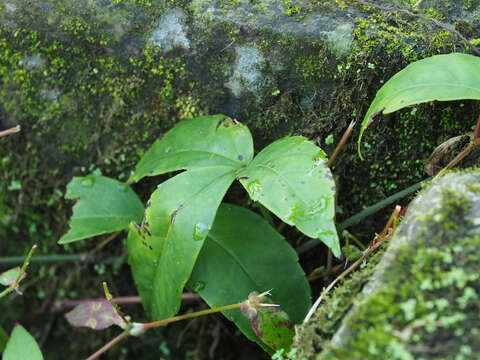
{"x":299,"y":149}
{"x":402,"y":101}
{"x":262,"y":194}
{"x":150,"y":172}
{"x":302,"y":182}
{"x":293,"y":195}
{"x":240,"y":157}
{"x":325,"y":164}
{"x":286,"y":199}
{"x":333,"y":188}
{"x":283,"y":185}
{"x":329,"y":176}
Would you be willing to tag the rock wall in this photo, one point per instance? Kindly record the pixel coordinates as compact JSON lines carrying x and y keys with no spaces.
{"x":93,"y":83}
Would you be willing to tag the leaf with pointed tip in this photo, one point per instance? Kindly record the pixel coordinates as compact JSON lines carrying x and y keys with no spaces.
{"x":21,"y":345}
{"x":162,"y":253}
{"x":197,"y":143}
{"x":440,"y":77}
{"x":290,"y":177}
{"x":106,"y":205}
{"x":97,"y":315}
{"x":243,"y":253}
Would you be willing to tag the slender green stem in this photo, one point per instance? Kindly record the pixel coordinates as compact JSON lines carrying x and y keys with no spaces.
{"x":5,"y":292}
{"x":114,"y":304}
{"x":355,"y":219}
{"x":189,"y":316}
{"x":22,"y":271}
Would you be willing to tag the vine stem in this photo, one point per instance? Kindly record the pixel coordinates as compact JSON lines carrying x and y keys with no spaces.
{"x":23,"y":270}
{"x":60,"y":305}
{"x":139,"y":328}
{"x":108,"y":346}
{"x":162,"y":322}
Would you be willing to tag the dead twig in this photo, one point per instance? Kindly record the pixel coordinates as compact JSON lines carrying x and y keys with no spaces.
{"x":10,"y":131}
{"x":386,"y":234}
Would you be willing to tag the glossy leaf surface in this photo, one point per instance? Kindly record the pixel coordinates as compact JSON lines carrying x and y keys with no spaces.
{"x":243,"y":253}
{"x":441,"y":77}
{"x":197,"y":143}
{"x":181,"y":211}
{"x":96,"y":315}
{"x":22,"y":345}
{"x":291,"y":178}
{"x":106,"y":205}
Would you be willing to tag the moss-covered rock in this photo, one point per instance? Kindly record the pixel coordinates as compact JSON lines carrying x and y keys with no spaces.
{"x":421,"y":301}
{"x":94,"y":83}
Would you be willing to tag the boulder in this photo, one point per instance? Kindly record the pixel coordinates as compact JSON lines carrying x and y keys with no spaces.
{"x":421,"y":300}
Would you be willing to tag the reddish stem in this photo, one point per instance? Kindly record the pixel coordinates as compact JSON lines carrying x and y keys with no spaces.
{"x":66,"y":304}
{"x":108,"y":345}
{"x":476,"y":132}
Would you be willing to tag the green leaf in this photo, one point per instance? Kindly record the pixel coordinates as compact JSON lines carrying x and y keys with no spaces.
{"x":441,"y":77}
{"x":181,"y":211}
{"x":163,"y":253}
{"x":22,"y":345}
{"x":3,"y":339}
{"x":106,"y":205}
{"x":243,"y":253}
{"x":291,"y":178}
{"x":197,"y":143}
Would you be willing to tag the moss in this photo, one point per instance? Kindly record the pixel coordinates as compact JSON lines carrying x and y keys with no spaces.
{"x":312,"y":339}
{"x":427,"y":302}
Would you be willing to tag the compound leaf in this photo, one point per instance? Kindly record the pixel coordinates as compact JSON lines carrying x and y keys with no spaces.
{"x":243,"y":253}
{"x":197,"y":143}
{"x":21,"y":345}
{"x":440,"y":77}
{"x":290,"y":177}
{"x":106,"y":205}
{"x":180,"y":213}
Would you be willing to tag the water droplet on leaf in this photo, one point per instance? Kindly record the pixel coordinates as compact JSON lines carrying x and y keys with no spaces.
{"x":122,"y":187}
{"x":198,"y":286}
{"x":200,"y":231}
{"x":88,"y":181}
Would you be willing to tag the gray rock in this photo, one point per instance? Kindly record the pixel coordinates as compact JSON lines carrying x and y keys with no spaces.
{"x":421,"y":299}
